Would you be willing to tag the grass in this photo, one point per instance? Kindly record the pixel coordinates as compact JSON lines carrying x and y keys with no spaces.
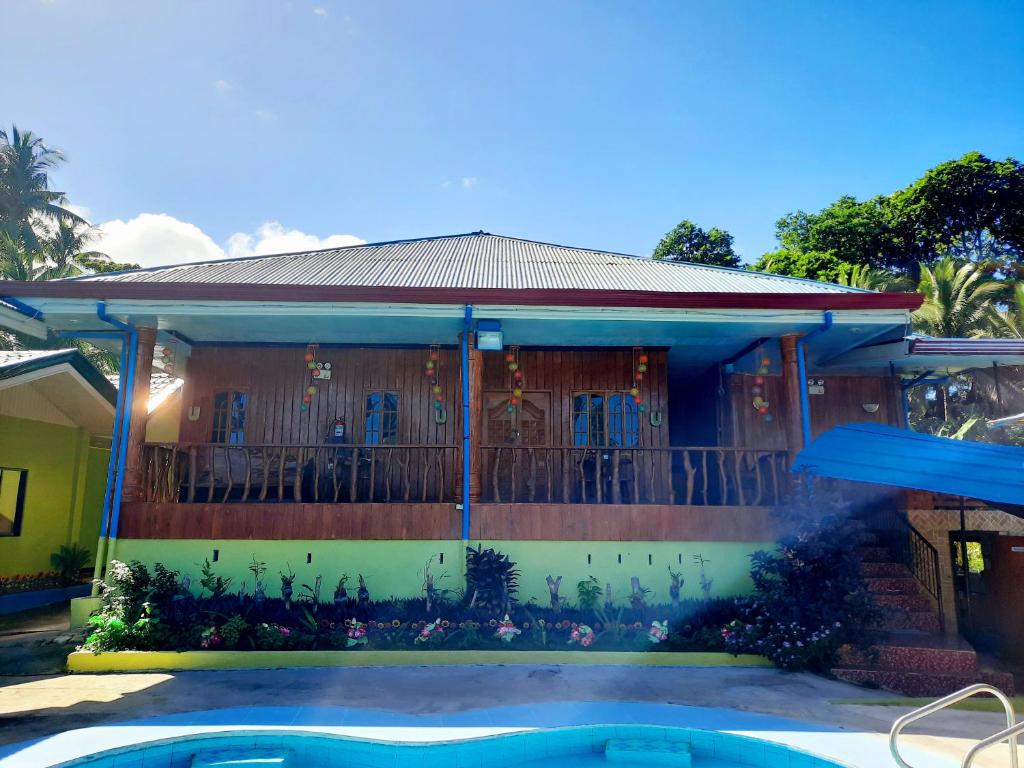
{"x":975,"y":704}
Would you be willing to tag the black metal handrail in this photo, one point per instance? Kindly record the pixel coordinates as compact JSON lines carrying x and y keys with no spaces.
{"x":910,"y":547}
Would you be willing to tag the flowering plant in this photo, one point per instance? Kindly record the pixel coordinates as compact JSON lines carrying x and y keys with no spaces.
{"x":507,"y":630}
{"x":356,"y":633}
{"x":211,"y":638}
{"x":582,"y":634}
{"x":431,"y":631}
{"x":658,"y":631}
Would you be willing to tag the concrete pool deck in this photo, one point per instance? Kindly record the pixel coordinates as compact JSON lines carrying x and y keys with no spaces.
{"x":38,"y":707}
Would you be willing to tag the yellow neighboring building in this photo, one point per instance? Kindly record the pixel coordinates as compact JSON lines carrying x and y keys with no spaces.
{"x":56,"y":413}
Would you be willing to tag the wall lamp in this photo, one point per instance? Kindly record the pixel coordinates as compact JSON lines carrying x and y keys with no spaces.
{"x":489,"y":336}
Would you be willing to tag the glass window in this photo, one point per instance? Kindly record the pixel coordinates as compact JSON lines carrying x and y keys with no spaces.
{"x":588,"y":419}
{"x":12,"y":500}
{"x":229,"y":417}
{"x":605,"y":419}
{"x":623,"y":421}
{"x":381,"y":418}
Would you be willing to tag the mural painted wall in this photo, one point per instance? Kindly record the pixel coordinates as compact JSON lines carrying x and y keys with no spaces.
{"x":395,"y":568}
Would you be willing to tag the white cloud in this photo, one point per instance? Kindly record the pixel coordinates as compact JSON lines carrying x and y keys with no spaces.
{"x":271,"y":237}
{"x":265,"y":115}
{"x":222,"y":86}
{"x":320,"y":11}
{"x":156,"y":239}
{"x":468,"y":182}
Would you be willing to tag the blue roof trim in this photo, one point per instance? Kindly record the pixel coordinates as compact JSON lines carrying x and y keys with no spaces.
{"x":872,"y":453}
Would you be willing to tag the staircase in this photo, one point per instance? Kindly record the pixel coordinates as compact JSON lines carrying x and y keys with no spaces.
{"x":911,"y":655}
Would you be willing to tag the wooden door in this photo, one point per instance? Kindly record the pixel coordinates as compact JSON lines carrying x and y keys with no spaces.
{"x":516,"y":460}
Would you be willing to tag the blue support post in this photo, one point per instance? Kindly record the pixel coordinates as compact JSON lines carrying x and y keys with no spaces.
{"x":805,"y":403}
{"x":466,"y":457}
{"x":115,"y":441}
{"x":128,"y":385}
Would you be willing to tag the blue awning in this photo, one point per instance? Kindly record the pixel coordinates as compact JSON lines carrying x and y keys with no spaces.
{"x":871,"y":453}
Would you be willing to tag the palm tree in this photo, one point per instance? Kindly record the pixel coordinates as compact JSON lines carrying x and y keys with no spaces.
{"x":16,"y":263}
{"x":1008,"y":323}
{"x":958,"y":299}
{"x":65,"y":252}
{"x":869,"y":278}
{"x":25,"y":194}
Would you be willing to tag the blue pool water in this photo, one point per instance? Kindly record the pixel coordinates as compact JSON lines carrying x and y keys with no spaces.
{"x":607,"y":746}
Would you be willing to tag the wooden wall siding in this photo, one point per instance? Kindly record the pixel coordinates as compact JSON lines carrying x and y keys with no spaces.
{"x":144,"y":520}
{"x":622,"y":522}
{"x":552,"y":377}
{"x":530,"y":522}
{"x":841,"y":404}
{"x":746,"y":427}
{"x":563,"y":372}
{"x":276,"y":379}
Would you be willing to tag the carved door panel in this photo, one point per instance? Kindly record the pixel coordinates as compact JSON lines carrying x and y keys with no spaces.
{"x":512,"y":471}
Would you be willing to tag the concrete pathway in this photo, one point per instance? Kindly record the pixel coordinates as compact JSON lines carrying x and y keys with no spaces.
{"x":33,"y":707}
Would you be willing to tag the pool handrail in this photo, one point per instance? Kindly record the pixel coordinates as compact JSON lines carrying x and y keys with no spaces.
{"x":1008,"y":734}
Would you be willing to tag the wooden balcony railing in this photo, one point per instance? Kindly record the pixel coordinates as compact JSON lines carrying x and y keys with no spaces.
{"x":685,"y":475}
{"x":210,"y":472}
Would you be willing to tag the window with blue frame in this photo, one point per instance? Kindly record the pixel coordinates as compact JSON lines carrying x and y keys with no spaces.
{"x":605,"y":419}
{"x":229,"y":413}
{"x":381,"y":418}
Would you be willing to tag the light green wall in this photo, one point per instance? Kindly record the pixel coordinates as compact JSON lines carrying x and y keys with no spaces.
{"x":60,"y":495}
{"x":395,"y":568}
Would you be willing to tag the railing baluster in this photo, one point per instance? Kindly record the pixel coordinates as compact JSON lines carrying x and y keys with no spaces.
{"x":353,"y":477}
{"x":227,"y":470}
{"x":387,"y":474}
{"x":247,"y":486}
{"x":211,"y":464}
{"x":265,"y":469}
{"x":616,"y":488}
{"x":404,"y":465}
{"x":373,"y":475}
{"x":335,"y":480}
{"x":533,"y":475}
{"x":425,"y":483}
{"x":281,"y":458}
{"x":316,"y":474}
{"x":690,"y":473}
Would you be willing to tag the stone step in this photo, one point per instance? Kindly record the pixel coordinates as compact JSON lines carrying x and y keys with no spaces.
{"x":923,"y":683}
{"x":909,"y":651}
{"x":898,"y":618}
{"x":885,"y":570}
{"x":918,"y":602}
{"x":892,"y":586}
{"x":874,"y":554}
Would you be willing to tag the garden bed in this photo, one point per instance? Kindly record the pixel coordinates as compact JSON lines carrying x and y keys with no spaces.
{"x":159,"y":661}
{"x":15,"y":602}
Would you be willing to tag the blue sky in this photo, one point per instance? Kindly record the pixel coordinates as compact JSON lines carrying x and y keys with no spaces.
{"x":597,"y":124}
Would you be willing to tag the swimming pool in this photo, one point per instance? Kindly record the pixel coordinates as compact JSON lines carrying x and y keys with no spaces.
{"x":613,"y":746}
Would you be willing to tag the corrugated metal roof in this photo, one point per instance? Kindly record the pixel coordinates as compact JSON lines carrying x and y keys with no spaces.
{"x":872,"y":453}
{"x":14,"y":363}
{"x":473,"y":260}
{"x":928,"y":345}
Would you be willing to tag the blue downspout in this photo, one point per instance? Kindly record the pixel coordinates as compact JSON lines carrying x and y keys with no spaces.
{"x":115,"y":441}
{"x":128,"y":384}
{"x":466,"y":457}
{"x":805,"y":402}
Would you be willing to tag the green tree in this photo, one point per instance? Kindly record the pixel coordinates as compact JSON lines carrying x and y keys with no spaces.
{"x":25,"y":194}
{"x":958,"y":299}
{"x":971,"y":209}
{"x":854,"y":232}
{"x":811,"y":265}
{"x":688,"y":242}
{"x":872,"y":279}
{"x":1007,"y":322}
{"x":65,"y":251}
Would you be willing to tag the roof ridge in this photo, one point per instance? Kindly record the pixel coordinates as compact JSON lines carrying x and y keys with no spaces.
{"x":257,"y":257}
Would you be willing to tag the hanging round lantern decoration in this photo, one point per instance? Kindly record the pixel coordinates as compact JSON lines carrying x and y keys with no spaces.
{"x":641,"y":361}
{"x":515,"y":379}
{"x":168,"y":355}
{"x":761,"y":405}
{"x":431,"y":369}
{"x":316,"y":371}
